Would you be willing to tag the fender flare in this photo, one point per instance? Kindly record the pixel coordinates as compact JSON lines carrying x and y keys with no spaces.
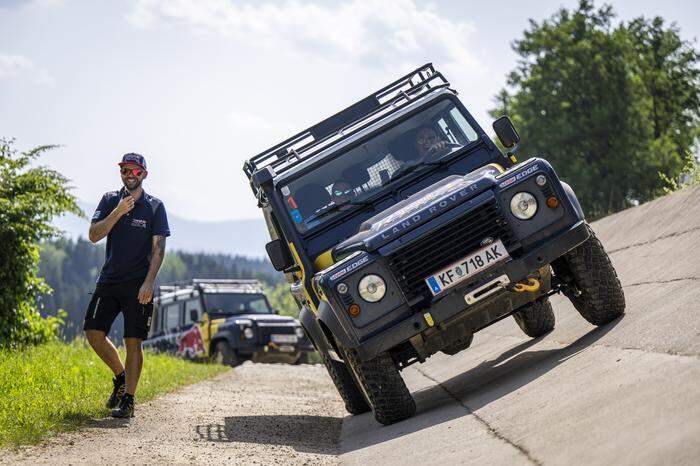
{"x":313,"y":330}
{"x":324,"y":329}
{"x":222,"y":335}
{"x":329,"y":319}
{"x":573,"y":199}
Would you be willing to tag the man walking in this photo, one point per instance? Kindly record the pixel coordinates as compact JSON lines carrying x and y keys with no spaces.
{"x":136,"y":225}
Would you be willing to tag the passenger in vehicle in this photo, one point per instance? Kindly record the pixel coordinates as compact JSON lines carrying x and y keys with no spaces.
{"x":342,"y":192}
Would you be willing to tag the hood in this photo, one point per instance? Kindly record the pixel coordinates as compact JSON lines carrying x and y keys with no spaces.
{"x":418,"y":209}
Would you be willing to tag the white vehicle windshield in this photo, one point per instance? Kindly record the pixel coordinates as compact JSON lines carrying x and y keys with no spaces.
{"x":354,"y":176}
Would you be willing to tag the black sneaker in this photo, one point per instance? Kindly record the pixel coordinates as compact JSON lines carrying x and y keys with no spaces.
{"x":125,"y":408}
{"x":119,"y":382}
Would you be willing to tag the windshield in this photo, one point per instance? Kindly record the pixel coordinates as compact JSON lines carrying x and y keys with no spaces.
{"x":351,"y":178}
{"x":232,"y":303}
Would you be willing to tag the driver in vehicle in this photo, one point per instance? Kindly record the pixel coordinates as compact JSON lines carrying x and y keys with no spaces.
{"x":428,"y":142}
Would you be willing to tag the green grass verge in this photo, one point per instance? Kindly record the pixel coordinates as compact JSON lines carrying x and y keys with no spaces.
{"x":59,"y":386}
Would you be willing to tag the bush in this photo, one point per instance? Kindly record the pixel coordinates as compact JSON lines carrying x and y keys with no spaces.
{"x":30,"y":197}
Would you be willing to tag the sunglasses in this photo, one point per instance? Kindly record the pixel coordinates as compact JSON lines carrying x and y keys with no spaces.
{"x":132,"y":171}
{"x":424,"y":139}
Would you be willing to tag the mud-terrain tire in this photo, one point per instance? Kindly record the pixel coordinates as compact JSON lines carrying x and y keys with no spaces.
{"x":351,"y":394}
{"x":535,"y":318}
{"x":597,"y":293}
{"x":224,"y":354}
{"x":383,"y":386}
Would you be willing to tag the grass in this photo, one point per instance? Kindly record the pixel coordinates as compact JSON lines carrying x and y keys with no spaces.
{"x":58,"y":386}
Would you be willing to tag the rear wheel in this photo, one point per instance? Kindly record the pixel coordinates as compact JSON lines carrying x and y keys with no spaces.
{"x":591,"y":282}
{"x":225,"y":355}
{"x":383,"y":386}
{"x":535,"y":318}
{"x":355,"y":402}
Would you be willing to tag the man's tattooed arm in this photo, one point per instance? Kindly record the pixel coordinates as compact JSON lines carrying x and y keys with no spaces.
{"x":157,"y":255}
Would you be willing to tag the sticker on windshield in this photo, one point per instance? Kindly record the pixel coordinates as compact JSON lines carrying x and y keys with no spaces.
{"x":296,"y":216}
{"x":292,"y":202}
{"x":285,"y":190}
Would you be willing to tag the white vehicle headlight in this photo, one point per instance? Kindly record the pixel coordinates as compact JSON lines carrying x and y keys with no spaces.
{"x":523,"y":205}
{"x":372,"y":288}
{"x":299,"y":331}
{"x":248,"y":333}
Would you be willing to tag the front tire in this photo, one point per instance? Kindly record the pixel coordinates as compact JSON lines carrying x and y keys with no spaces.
{"x":225,"y":355}
{"x":345,"y":384}
{"x":535,"y":318}
{"x":383,"y":386}
{"x":591,"y":281}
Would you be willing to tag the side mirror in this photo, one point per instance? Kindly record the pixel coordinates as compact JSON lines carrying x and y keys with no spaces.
{"x":279,"y":255}
{"x":506,"y":132}
{"x":275,"y":311}
{"x":194,"y":315}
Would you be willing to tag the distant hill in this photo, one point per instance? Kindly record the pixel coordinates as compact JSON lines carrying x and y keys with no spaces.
{"x":235,"y":237}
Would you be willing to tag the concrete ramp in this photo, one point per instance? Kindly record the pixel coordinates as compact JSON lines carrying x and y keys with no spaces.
{"x":626,"y":393}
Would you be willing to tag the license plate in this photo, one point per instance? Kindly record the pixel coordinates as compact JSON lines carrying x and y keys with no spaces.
{"x":467,"y":267}
{"x":275,"y":338}
{"x":286,"y":349}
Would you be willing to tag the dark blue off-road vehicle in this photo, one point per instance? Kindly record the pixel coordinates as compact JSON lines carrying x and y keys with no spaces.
{"x":228,"y":321}
{"x":402,"y":230}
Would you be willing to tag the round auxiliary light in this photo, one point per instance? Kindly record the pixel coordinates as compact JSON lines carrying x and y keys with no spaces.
{"x":299,"y":332}
{"x":523,"y":206}
{"x":248,"y":333}
{"x":342,"y":288}
{"x":541,"y":180}
{"x":372,"y":288}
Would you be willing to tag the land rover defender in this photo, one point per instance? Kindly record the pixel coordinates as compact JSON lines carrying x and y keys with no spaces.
{"x":228,"y":321}
{"x":402,"y":230}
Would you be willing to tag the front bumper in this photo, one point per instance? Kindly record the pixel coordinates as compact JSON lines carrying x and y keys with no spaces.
{"x":451,"y":306}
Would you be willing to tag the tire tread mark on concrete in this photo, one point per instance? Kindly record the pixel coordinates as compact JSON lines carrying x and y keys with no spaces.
{"x":489,"y":428}
{"x":660,"y":282}
{"x":653,"y":240}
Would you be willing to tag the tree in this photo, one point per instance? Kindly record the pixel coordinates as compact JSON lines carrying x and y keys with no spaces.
{"x":610,"y":106}
{"x":29,"y":199}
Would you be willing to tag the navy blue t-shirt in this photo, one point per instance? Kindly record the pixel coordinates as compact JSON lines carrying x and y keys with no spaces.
{"x":129,"y":243}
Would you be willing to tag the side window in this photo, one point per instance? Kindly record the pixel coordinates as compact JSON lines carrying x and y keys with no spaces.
{"x":171,"y":316}
{"x":463,"y":125}
{"x":193,"y":305}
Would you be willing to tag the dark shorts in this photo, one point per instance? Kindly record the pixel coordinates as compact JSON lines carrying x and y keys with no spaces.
{"x":109,"y":299}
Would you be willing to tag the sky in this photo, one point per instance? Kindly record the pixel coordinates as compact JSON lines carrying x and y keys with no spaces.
{"x":199,"y":86}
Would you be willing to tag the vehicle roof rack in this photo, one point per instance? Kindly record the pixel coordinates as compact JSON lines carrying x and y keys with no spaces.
{"x":239,"y":284}
{"x":387,"y":100}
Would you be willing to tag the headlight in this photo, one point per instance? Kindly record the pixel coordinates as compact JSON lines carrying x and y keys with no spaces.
{"x":372,"y":288}
{"x":248,"y":333}
{"x":299,"y":331}
{"x":523,"y":205}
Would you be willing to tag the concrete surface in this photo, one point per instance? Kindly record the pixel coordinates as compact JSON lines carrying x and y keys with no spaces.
{"x":626,"y":393}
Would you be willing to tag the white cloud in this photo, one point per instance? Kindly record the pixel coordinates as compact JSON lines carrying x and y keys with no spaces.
{"x":12,"y":65}
{"x":378,"y":34}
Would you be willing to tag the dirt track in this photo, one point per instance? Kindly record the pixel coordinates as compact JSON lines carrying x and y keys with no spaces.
{"x":255,"y":414}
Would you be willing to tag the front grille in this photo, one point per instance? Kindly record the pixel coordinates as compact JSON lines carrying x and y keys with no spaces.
{"x":445,"y":245}
{"x":264,"y":332}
